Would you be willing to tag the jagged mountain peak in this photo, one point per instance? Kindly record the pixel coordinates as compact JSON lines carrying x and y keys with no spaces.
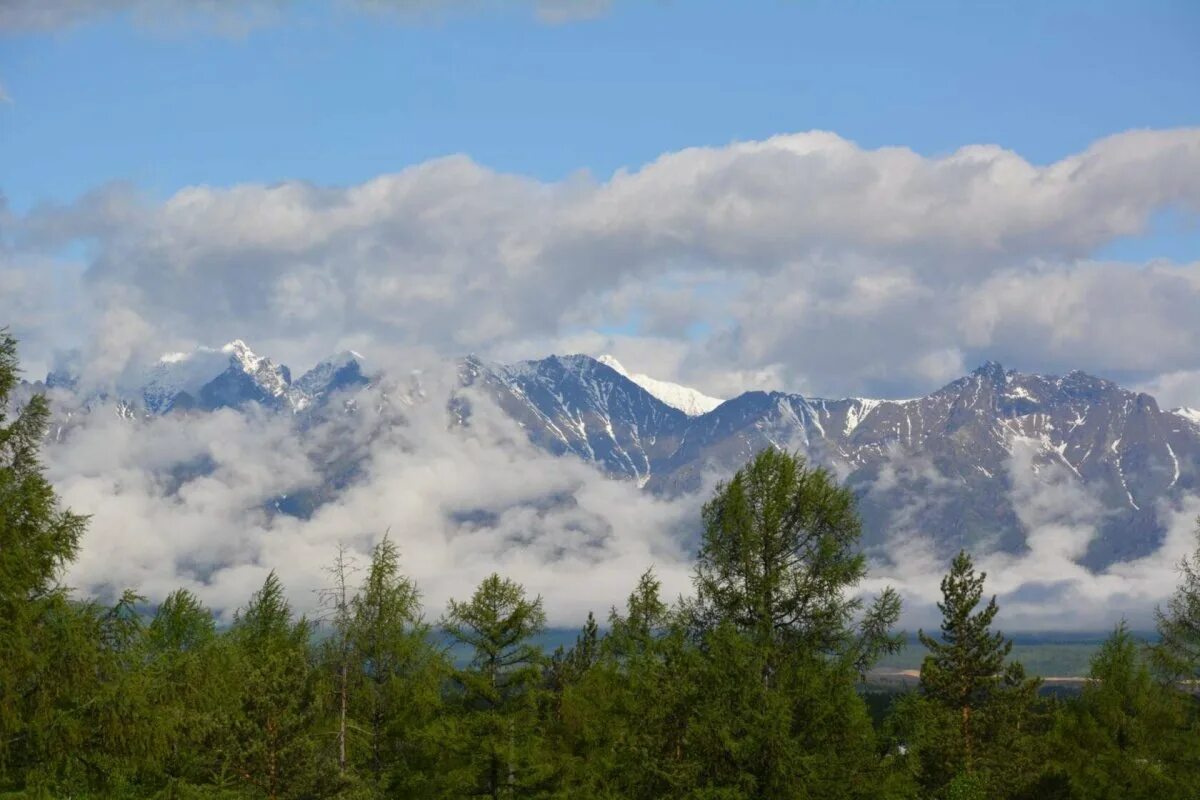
{"x":991,"y":370}
{"x":341,"y":370}
{"x":944,"y":465}
{"x":343,"y":357}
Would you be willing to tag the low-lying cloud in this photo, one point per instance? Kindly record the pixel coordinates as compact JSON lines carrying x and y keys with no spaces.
{"x":187,"y":501}
{"x":1045,"y":587}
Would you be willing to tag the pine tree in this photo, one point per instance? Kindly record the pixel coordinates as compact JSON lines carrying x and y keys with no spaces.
{"x":963,"y":668}
{"x":978,"y":711}
{"x":497,"y":740}
{"x":567,"y":667}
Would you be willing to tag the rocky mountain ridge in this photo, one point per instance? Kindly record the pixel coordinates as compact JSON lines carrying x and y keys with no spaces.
{"x":952,"y":465}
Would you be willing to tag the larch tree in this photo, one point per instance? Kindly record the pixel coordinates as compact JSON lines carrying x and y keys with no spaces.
{"x":785,"y":635}
{"x":395,"y":686}
{"x":271,"y":742}
{"x":497,"y":737}
{"x":337,"y":651}
{"x":42,"y":644}
{"x":778,"y":560}
{"x":1176,"y":656}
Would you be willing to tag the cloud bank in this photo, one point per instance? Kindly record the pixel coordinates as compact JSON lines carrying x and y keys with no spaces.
{"x":802,"y":259}
{"x":187,"y":501}
{"x":1045,"y":588}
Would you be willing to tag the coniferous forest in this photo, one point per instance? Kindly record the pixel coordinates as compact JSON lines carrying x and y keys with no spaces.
{"x":752,"y":688}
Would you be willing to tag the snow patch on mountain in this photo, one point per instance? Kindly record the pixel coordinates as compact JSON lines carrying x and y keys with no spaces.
{"x":176,"y":376}
{"x":178,"y":373}
{"x":688,"y":400}
{"x":1192,"y":415}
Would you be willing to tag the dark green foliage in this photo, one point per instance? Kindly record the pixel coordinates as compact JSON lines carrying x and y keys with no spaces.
{"x":780,"y":548}
{"x":748,"y":691}
{"x":624,"y":725}
{"x":493,"y":746}
{"x":47,"y":646}
{"x":976,"y":728}
{"x":964,"y":666}
{"x":1177,"y":654}
{"x":189,"y":687}
{"x":775,"y":618}
{"x":395,"y":680}
{"x":1126,"y":735}
{"x":270,"y":742}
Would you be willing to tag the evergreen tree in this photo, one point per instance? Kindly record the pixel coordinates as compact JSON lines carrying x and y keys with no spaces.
{"x":271,"y":746}
{"x":964,"y":667}
{"x":567,"y":666}
{"x":496,"y":737}
{"x":778,"y":556}
{"x":1177,"y":654}
{"x":396,"y":682}
{"x":45,"y":645}
{"x":1118,"y":739}
{"x":975,"y":725}
{"x":647,"y":620}
{"x":118,"y":714}
{"x":626,"y":722}
{"x":190,"y":691}
{"x":776,"y":618}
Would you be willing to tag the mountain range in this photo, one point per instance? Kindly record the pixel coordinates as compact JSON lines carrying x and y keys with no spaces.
{"x":957,"y":465}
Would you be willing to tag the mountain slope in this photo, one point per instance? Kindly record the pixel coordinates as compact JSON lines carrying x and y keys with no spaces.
{"x":686,"y":399}
{"x":575,"y":404}
{"x":979,"y":463}
{"x":950,"y":465}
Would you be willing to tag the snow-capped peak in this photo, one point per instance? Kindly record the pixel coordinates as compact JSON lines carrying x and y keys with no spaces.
{"x":243,"y":355}
{"x":345,"y":357}
{"x":338,"y":371}
{"x":688,"y":400}
{"x":177,"y":373}
{"x":187,"y":373}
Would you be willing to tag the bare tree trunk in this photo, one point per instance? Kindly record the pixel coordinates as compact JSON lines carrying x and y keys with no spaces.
{"x":342,"y":725}
{"x":337,"y":600}
{"x":966,"y":735}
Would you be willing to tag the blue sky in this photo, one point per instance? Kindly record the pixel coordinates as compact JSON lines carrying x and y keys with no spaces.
{"x":333,"y":96}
